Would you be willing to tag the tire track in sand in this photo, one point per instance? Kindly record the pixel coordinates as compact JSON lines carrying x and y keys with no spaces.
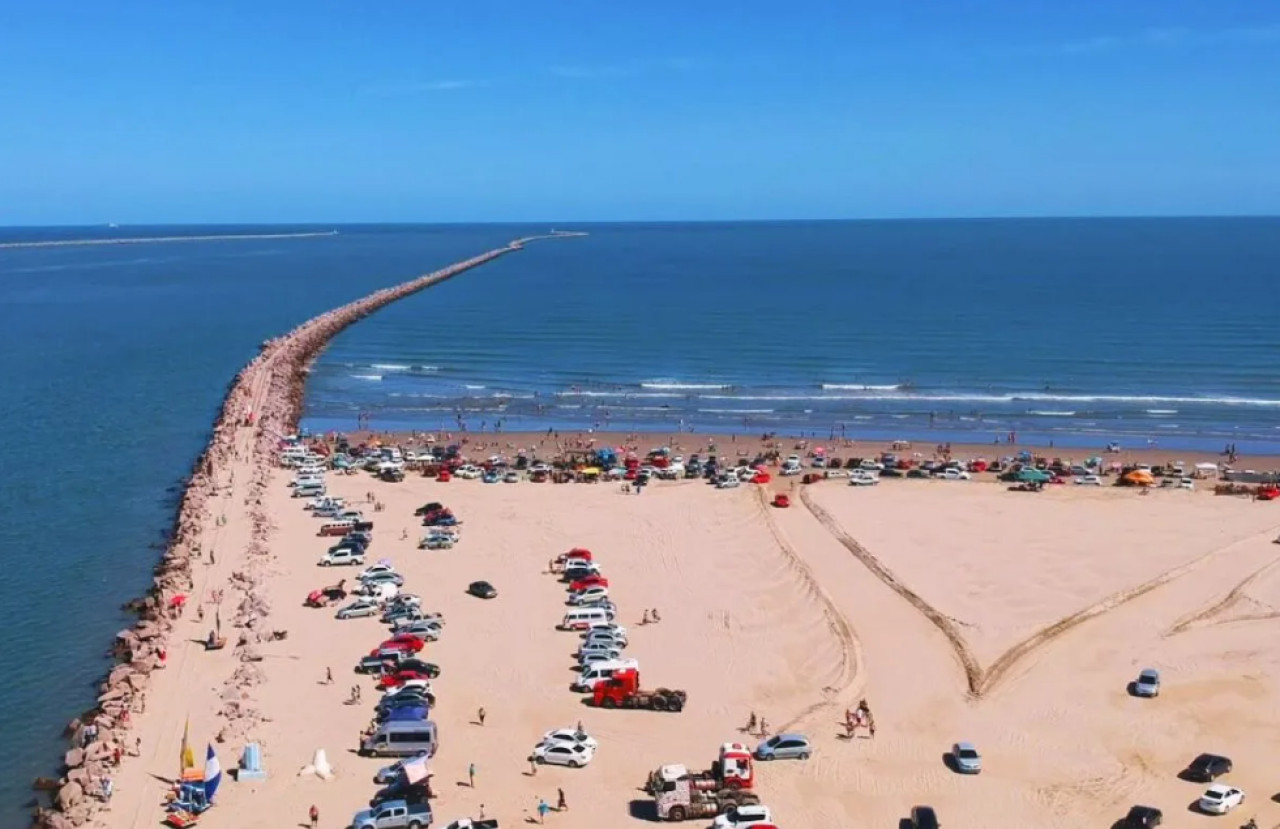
{"x":851,"y":661}
{"x":1233,"y":596}
{"x":982,"y":680}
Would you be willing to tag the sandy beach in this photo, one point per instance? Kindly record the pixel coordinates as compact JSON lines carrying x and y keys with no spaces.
{"x":770,"y":611}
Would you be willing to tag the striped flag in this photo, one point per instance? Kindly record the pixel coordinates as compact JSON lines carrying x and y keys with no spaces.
{"x":212,"y":774}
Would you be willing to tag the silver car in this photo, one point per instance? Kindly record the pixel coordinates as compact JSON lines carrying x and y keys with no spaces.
{"x":1147,"y":684}
{"x":358,"y":608}
{"x":966,"y":758}
{"x":784,"y":747}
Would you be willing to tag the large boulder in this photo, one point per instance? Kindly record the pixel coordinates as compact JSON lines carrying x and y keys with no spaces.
{"x":70,"y":796}
{"x":73,"y":758}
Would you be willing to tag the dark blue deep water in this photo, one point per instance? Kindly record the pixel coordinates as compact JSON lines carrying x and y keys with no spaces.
{"x":113,"y":360}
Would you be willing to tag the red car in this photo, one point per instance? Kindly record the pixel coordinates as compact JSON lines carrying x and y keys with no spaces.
{"x":781,"y":500}
{"x":397,"y":678}
{"x":400,"y":642}
{"x":588,"y":581}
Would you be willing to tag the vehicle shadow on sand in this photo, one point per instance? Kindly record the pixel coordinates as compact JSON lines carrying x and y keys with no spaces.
{"x":643,"y":810}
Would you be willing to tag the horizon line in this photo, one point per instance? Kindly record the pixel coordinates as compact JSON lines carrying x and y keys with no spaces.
{"x":524,"y":222}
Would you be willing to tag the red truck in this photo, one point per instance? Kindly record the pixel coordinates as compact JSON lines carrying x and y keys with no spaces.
{"x":622,"y":690}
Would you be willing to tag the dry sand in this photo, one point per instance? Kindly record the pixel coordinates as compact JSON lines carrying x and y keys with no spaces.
{"x":768,"y":610}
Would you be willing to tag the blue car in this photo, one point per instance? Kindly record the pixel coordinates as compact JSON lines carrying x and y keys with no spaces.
{"x":784,"y":747}
{"x":491,"y":477}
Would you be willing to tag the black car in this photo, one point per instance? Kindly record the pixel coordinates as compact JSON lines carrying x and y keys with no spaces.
{"x":482,"y":590}
{"x":1207,"y":767}
{"x":1143,"y":817}
{"x":431,"y":669}
{"x":923,"y":817}
{"x":434,"y":506}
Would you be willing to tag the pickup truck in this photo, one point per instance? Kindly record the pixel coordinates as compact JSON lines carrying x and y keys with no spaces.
{"x":394,"y":814}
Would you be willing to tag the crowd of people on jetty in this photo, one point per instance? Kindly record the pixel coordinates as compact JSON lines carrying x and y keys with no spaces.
{"x":262,"y":404}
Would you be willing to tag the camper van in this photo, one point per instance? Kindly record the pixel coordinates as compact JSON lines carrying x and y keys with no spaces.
{"x":591,"y":674}
{"x":583,"y":618}
{"x":400,"y":739}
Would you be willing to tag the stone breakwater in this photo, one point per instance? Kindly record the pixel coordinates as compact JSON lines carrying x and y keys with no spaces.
{"x":263,"y":403}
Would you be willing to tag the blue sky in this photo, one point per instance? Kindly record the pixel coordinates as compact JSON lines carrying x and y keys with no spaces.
{"x":429,"y":110}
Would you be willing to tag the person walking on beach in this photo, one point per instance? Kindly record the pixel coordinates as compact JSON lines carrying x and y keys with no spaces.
{"x":471,"y":775}
{"x":543,"y":808}
{"x":480,"y":715}
{"x":328,"y":676}
{"x":533,"y":766}
{"x":314,"y":814}
{"x":562,"y":805}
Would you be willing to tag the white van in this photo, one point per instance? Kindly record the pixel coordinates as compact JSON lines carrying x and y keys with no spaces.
{"x":591,"y":674}
{"x":584,"y":618}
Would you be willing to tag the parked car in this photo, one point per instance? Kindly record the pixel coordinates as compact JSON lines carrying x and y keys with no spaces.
{"x":588,"y":581}
{"x":1219,"y":799}
{"x":784,"y":747}
{"x":1088,"y":480}
{"x":743,"y":816}
{"x":342,"y":556}
{"x":1147,"y":683}
{"x":570,"y":735}
{"x":591,"y":594}
{"x":425,"y":630}
{"x":382,"y":578}
{"x":607,"y":647}
{"x":953,"y":474}
{"x":394,"y":814}
{"x":358,"y":608}
{"x":924,"y":817}
{"x":511,"y":478}
{"x":1207,"y":767}
{"x":966,"y":758}
{"x":482,"y":590}
{"x":388,"y":774}
{"x":428,"y":669}
{"x":376,"y":663}
{"x":375,"y":570}
{"x":574,"y":755}
{"x":1143,"y":817}
{"x":402,"y":642}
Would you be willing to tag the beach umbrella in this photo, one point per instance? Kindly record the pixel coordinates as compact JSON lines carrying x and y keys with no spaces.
{"x":212,"y":773}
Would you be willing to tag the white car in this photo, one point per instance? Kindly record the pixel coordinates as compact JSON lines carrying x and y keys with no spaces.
{"x":790,"y":468}
{"x":591,"y":594}
{"x":953,"y":474}
{"x":1219,"y":799}
{"x":375,"y":570}
{"x":357,"y":609}
{"x":861,"y":477}
{"x":1088,"y":480}
{"x":592,"y":657}
{"x":742,"y":817}
{"x":729,"y":482}
{"x":345,"y":555}
{"x":569,"y":735}
{"x":574,"y":755}
{"x":468,"y":471}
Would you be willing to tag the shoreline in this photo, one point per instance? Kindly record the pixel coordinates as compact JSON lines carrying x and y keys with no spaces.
{"x":61,"y":243}
{"x":262,"y":403}
{"x":728,"y":443}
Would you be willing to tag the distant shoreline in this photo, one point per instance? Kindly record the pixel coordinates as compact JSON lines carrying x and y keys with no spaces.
{"x":60,"y":243}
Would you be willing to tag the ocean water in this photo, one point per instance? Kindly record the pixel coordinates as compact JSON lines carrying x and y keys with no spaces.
{"x":1148,"y":332}
{"x":115,"y":359}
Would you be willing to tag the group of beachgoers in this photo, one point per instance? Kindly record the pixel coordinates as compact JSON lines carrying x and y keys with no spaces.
{"x":263,"y":402}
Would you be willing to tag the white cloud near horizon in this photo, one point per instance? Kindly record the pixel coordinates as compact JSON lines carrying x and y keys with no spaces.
{"x":1173,"y":37}
{"x":417,"y":88}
